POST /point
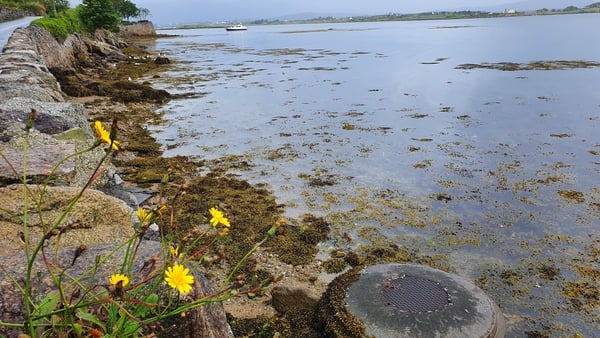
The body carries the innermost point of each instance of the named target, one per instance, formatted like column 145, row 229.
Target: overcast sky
column 165, row 12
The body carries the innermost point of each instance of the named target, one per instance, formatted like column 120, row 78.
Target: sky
column 169, row 12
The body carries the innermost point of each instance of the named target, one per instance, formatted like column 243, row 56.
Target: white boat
column 238, row 27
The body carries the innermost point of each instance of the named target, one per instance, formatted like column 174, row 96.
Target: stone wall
column 60, row 129
column 26, row 83
column 9, row 14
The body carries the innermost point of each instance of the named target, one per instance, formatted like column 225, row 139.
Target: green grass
column 60, row 27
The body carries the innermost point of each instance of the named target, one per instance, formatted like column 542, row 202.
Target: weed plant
column 130, row 302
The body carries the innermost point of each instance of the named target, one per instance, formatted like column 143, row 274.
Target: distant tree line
column 591, row 8
column 440, row 15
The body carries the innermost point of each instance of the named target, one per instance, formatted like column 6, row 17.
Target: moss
column 511, row 277
column 338, row 322
column 576, row 196
column 583, row 296
column 260, row 327
column 297, row 245
column 422, row 164
column 354, row 259
column 548, row 272
column 334, row 265
column 536, row 65
column 299, row 323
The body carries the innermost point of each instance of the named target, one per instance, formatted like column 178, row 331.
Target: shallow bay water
column 474, row 142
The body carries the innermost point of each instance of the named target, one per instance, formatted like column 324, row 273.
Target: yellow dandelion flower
column 162, row 209
column 223, row 232
column 117, row 277
column 179, row 277
column 280, row 222
column 143, row 215
column 218, row 218
column 174, row 252
column 104, row 136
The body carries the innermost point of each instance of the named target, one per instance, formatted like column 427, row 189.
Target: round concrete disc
column 406, row 300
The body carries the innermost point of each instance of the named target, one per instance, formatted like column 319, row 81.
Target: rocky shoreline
column 70, row 84
column 31, row 65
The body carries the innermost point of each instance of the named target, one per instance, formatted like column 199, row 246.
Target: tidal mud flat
column 519, row 217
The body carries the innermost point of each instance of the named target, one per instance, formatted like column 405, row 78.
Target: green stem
column 27, row 293
column 31, row 255
column 241, row 261
column 10, row 324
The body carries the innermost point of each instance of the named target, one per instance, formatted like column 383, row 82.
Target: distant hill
column 528, row 5
column 312, row 15
column 531, row 5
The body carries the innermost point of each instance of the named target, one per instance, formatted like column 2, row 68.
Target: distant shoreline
column 395, row 17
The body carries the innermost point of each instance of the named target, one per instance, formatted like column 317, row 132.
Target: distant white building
column 510, row 11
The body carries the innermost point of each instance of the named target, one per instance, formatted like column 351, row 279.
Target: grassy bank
column 62, row 25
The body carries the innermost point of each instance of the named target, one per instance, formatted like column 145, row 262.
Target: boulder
column 96, row 218
column 52, row 53
column 161, row 60
column 26, row 83
column 286, row 299
column 51, row 117
column 141, row 28
column 105, row 50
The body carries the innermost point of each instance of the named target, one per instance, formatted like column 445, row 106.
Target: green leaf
column 48, row 304
column 142, row 310
column 77, row 329
column 131, row 329
column 89, row 317
column 113, row 312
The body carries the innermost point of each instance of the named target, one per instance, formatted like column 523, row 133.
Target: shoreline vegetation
column 434, row 15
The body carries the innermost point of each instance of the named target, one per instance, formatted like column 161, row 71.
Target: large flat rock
column 41, row 161
column 99, row 218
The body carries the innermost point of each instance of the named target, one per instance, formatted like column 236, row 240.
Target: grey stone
column 26, row 84
column 41, row 162
column 286, row 298
column 161, row 60
column 99, row 218
column 23, row 72
column 51, row 117
column 142, row 28
column 9, row 13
